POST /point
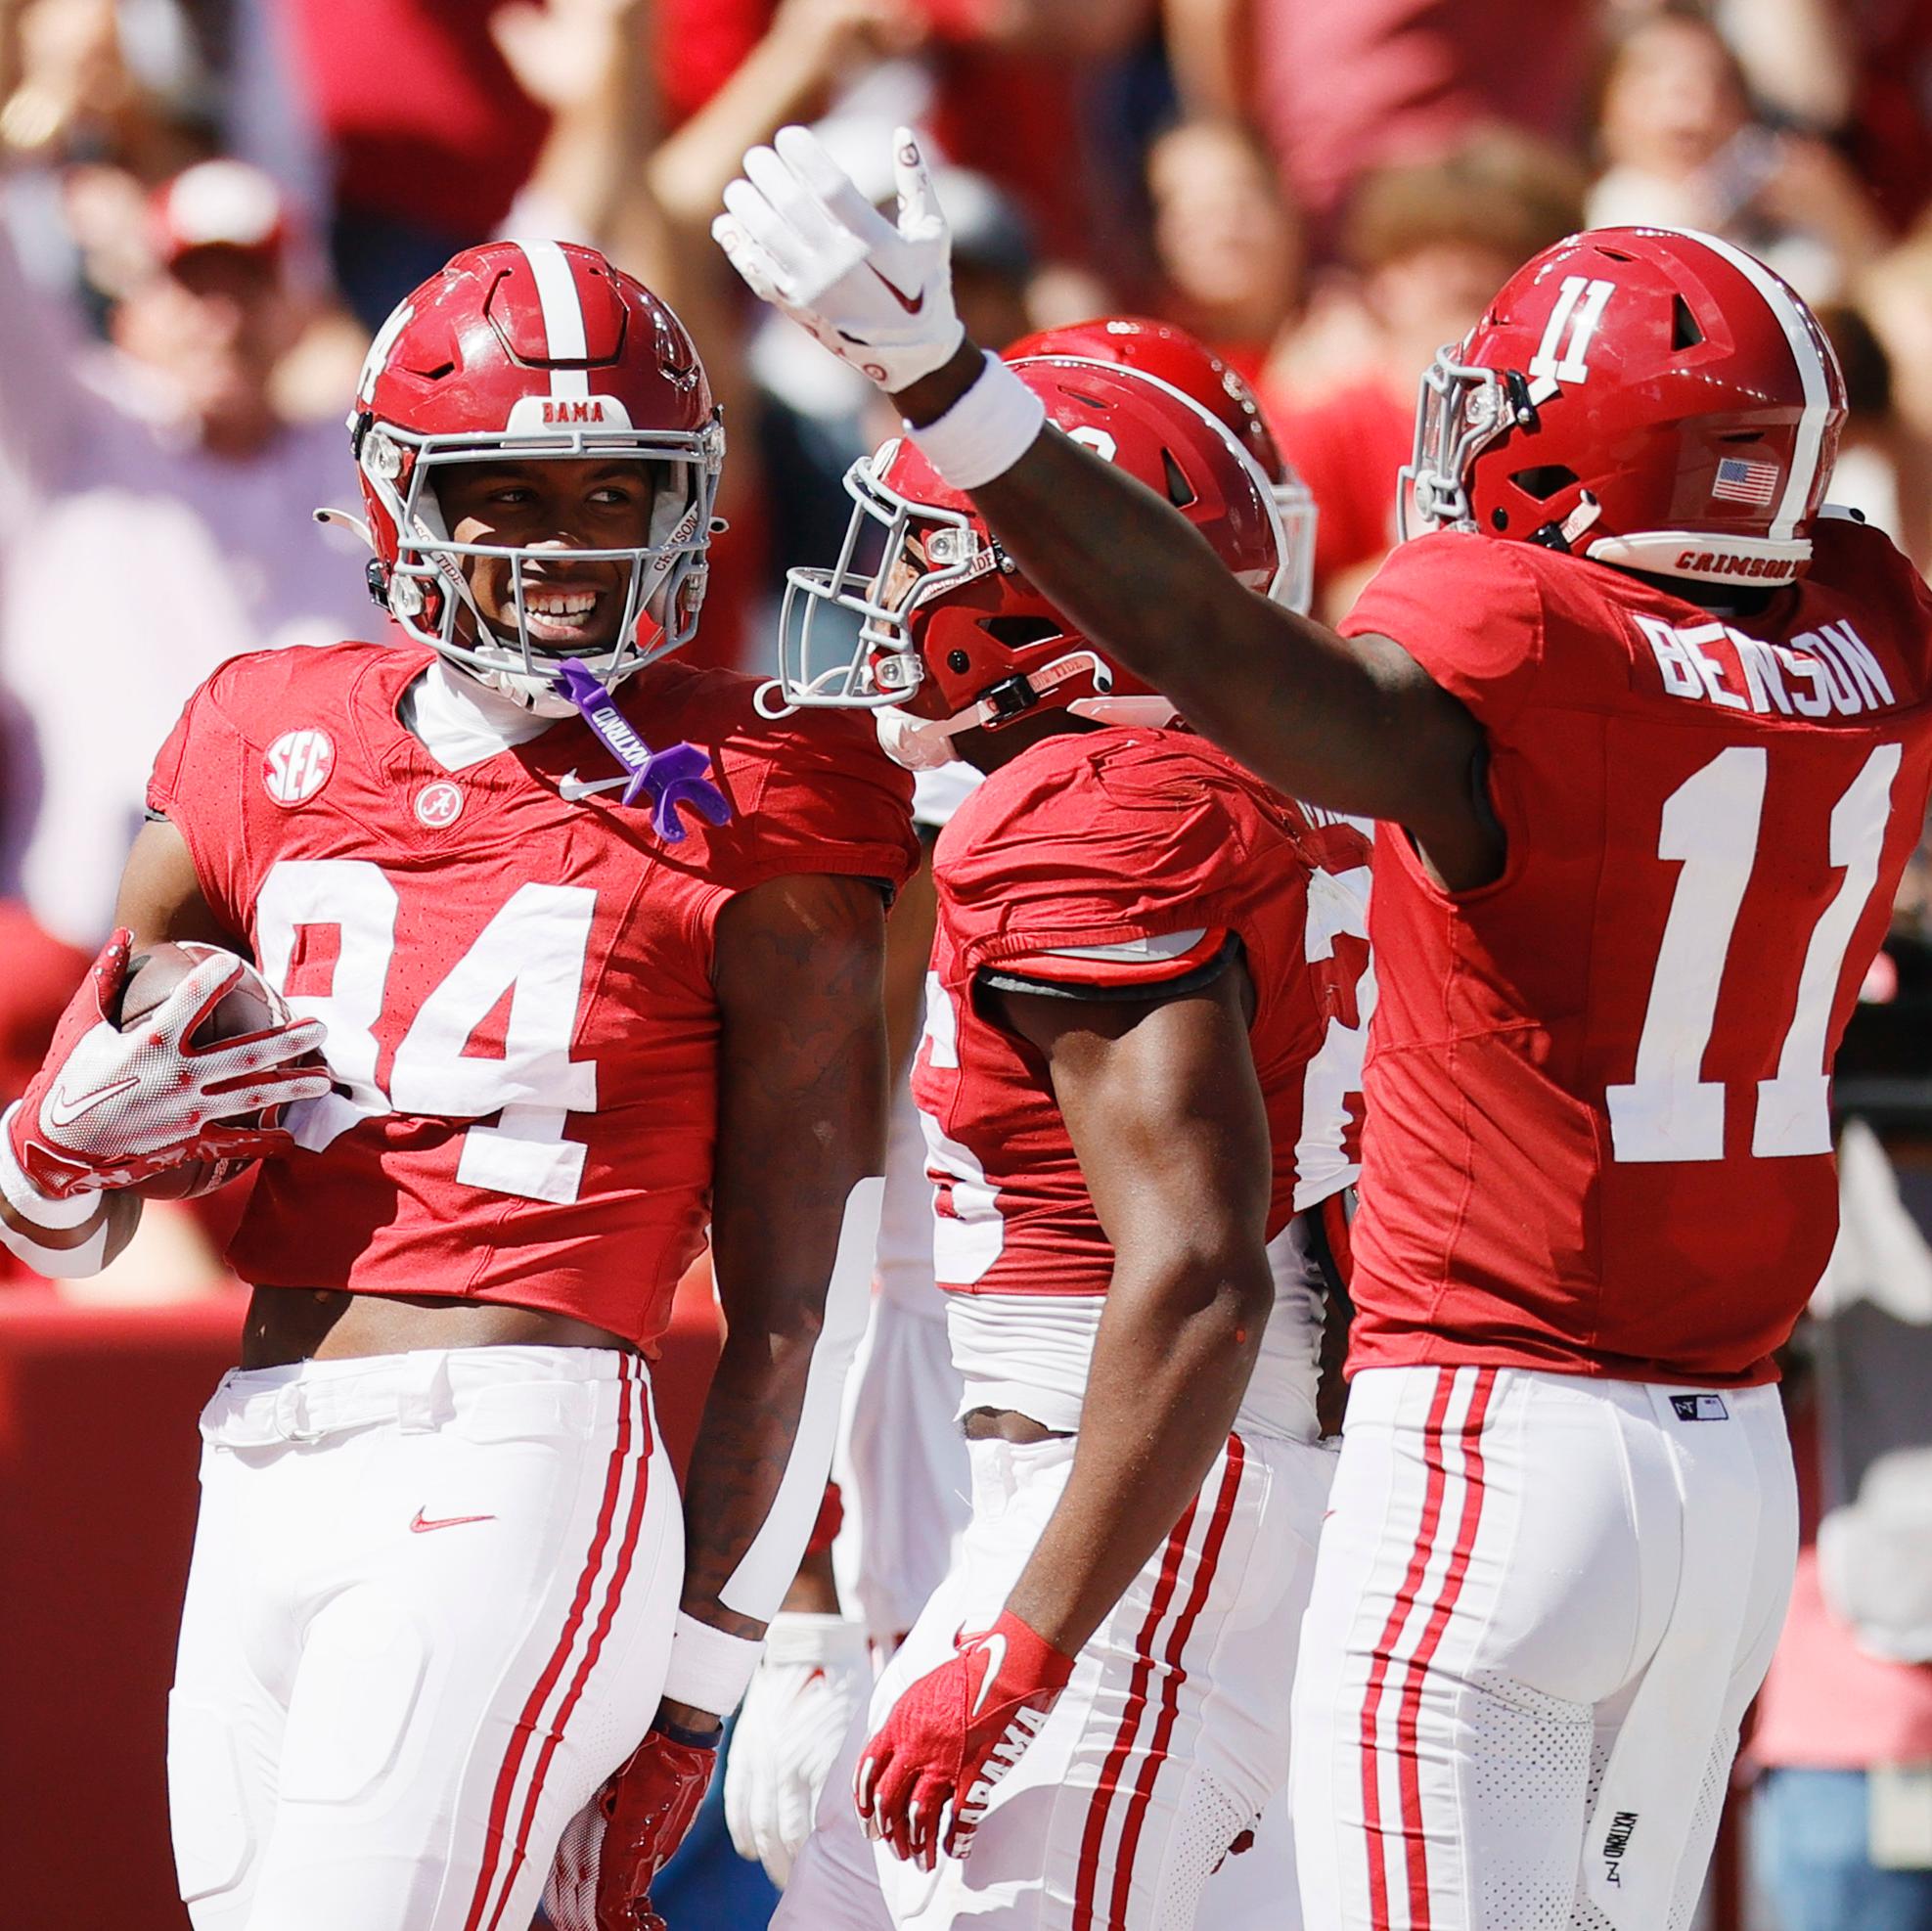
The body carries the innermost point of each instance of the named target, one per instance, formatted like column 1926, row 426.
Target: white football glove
column 108, row 1108
column 814, row 1676
column 804, row 238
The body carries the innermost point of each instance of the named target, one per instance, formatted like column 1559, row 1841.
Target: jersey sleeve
column 1088, row 876
column 196, row 785
column 810, row 795
column 1469, row 611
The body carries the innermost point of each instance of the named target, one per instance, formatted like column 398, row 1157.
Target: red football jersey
column 1129, row 858
column 1599, row 1134
column 516, row 985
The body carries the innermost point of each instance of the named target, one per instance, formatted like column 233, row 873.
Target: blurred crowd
column 207, row 206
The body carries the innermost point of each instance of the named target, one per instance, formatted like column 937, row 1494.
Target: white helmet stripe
column 563, row 315
column 1791, row 317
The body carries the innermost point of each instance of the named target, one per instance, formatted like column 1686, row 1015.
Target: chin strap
column 671, row 777
column 926, row 743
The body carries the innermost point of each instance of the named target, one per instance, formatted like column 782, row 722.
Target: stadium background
column 1326, row 189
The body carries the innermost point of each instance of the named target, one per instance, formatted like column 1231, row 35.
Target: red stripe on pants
column 526, row 1722
column 612, row 1596
column 1170, row 1699
column 1398, row 1617
column 1087, row 1874
column 1409, row 1715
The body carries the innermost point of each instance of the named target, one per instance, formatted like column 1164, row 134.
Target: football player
column 594, row 951
column 1140, row 1067
column 906, row 1478
column 1649, row 729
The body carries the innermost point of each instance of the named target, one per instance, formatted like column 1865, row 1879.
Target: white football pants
column 903, row 1467
column 1169, row 1741
column 1540, row 1607
column 429, row 1611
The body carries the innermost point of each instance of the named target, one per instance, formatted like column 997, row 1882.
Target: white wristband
column 709, row 1669
column 986, row 432
column 50, row 1216
column 27, row 1200
column 801, row 1636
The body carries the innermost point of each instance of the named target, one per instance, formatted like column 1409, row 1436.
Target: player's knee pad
column 364, row 1661
column 212, row 1826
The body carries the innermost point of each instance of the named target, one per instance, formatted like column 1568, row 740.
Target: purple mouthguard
column 674, row 777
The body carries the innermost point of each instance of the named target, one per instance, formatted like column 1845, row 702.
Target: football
column 253, row 1007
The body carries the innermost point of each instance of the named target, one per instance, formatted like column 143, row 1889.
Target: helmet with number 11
column 1647, row 397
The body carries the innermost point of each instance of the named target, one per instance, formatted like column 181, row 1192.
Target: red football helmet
column 525, row 351
column 1649, row 397
column 949, row 635
column 1186, row 363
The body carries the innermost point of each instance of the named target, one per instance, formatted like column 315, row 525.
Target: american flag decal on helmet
column 1741, row 481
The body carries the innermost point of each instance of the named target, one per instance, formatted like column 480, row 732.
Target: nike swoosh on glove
column 814, row 1674
column 878, row 294
column 614, row 1847
column 925, row 1778
column 109, row 1108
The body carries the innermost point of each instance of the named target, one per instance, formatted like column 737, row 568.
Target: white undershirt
column 461, row 722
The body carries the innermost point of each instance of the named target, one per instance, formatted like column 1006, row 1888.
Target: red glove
column 618, row 1843
column 927, row 1776
column 109, row 1107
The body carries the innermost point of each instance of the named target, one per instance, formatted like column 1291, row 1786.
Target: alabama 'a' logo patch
column 438, row 804
column 297, row 765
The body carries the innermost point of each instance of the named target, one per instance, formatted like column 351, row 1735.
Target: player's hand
column 925, row 1779
column 878, row 294
column 813, row 1675
column 108, row 1108
column 621, row 1840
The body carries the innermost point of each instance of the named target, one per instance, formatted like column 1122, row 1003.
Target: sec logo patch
column 298, row 766
column 438, row 804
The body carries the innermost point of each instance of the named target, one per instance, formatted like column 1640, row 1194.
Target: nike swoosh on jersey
column 994, row 1647
column 912, row 304
column 570, row 788
column 422, row 1524
column 63, row 1111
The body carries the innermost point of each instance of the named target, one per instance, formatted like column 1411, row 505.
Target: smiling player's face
column 573, row 603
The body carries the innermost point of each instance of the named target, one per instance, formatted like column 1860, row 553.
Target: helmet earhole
column 958, row 663
column 1499, row 519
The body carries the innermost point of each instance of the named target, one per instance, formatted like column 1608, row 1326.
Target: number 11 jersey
column 514, row 968
column 1599, row 1125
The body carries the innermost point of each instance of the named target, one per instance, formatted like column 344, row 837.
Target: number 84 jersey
column 514, row 972
column 1600, row 1135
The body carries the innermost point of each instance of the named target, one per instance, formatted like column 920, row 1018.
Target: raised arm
column 1354, row 724
column 47, row 414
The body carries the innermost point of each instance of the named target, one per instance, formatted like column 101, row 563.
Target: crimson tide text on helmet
column 1185, row 362
column 1649, row 397
column 951, row 637
column 521, row 352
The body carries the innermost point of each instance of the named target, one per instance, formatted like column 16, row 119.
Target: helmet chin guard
column 428, row 588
